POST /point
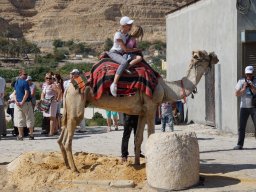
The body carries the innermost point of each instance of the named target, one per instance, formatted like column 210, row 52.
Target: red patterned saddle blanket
column 143, row 78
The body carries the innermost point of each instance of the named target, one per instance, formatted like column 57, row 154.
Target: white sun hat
column 126, row 20
column 75, row 71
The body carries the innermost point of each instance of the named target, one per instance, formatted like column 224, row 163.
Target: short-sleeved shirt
column 131, row 43
column 166, row 108
column 49, row 92
column 246, row 98
column 116, row 46
column 21, row 86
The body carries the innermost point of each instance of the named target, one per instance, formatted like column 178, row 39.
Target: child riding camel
column 119, row 48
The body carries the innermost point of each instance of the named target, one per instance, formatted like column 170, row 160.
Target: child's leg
column 170, row 122
column 163, row 123
column 135, row 60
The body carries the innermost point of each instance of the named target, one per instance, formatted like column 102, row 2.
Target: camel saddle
column 143, row 78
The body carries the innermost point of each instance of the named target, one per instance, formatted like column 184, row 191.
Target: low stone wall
column 172, row 160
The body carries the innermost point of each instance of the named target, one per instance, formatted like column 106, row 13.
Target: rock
column 172, row 160
column 122, row 184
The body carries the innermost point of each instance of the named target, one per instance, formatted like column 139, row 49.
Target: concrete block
column 172, row 160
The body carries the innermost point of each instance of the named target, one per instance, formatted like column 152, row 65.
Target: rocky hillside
column 84, row 20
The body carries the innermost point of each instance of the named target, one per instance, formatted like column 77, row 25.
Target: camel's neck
column 175, row 90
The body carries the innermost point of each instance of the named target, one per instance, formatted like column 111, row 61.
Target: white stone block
column 172, row 160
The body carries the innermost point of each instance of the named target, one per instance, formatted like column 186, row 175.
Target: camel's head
column 203, row 57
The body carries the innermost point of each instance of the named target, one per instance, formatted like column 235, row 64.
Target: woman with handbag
column 51, row 94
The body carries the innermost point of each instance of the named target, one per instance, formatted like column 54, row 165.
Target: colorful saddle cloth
column 143, row 78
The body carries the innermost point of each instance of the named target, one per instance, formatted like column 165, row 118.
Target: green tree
column 58, row 43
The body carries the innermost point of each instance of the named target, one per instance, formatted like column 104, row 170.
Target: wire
column 243, row 6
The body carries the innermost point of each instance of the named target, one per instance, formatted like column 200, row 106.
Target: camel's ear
column 193, row 52
column 202, row 53
column 212, row 54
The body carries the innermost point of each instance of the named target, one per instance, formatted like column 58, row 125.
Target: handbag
column 253, row 99
column 44, row 104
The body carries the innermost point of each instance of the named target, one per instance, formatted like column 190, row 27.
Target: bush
column 9, row 124
column 108, row 44
column 58, row 43
column 59, row 54
column 97, row 120
column 38, row 119
column 8, row 74
column 85, row 67
column 97, row 115
column 159, row 45
column 144, row 45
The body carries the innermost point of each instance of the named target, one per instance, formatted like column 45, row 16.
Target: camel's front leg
column 61, row 141
column 139, row 138
column 71, row 125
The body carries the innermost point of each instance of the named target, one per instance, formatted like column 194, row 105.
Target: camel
column 139, row 104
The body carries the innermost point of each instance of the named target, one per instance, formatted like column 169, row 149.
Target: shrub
column 38, row 119
column 59, row 54
column 85, row 67
column 108, row 44
column 97, row 120
column 58, row 43
column 144, row 45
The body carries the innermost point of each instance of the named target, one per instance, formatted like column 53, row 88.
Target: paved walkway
column 223, row 168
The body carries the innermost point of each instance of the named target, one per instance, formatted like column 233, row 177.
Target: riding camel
column 139, row 104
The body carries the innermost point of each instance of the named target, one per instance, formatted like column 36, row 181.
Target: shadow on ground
column 217, row 181
column 215, row 168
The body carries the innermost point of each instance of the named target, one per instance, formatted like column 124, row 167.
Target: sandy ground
column 38, row 166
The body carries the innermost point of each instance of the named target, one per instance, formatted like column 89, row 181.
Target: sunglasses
column 48, row 78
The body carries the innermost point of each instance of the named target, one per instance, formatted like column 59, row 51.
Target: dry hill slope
column 84, row 20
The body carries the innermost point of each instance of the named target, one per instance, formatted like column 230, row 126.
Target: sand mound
column 37, row 171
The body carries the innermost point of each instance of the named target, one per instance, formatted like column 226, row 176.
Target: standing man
column 130, row 122
column 23, row 110
column 2, row 113
column 245, row 88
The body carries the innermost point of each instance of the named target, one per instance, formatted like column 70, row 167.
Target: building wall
column 209, row 25
column 245, row 22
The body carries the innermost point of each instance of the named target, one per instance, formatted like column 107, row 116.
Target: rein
column 195, row 66
column 183, row 92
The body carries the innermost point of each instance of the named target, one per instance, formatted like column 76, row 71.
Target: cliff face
column 42, row 21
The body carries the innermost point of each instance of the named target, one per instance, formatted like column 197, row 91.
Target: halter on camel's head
column 200, row 57
column 203, row 59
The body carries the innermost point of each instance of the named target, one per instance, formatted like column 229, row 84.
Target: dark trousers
column 244, row 115
column 130, row 122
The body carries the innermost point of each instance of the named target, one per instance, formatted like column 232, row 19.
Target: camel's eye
column 196, row 56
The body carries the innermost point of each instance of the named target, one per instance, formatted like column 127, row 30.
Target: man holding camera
column 245, row 88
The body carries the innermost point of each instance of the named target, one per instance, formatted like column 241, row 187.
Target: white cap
column 29, row 78
column 126, row 21
column 75, row 71
column 248, row 70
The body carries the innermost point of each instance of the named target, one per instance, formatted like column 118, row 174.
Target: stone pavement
column 222, row 168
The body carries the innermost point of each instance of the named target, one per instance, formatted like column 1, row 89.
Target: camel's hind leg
column 139, row 138
column 71, row 125
column 61, row 141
